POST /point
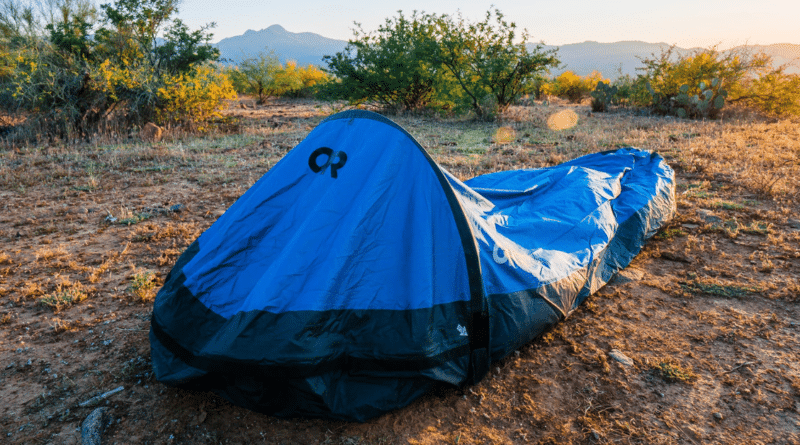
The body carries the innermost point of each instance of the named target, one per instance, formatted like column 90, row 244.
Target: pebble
column 617, row 355
column 177, row 208
column 709, row 216
column 691, row 226
column 92, row 428
column 794, row 223
column 628, row 275
column 718, row 417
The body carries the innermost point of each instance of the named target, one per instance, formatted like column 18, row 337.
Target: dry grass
column 711, row 327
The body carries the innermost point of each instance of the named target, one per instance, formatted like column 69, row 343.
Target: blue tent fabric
column 357, row 274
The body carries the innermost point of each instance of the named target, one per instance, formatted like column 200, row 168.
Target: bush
column 255, row 75
column 68, row 83
column 264, row 76
column 696, row 85
column 191, row 99
column 439, row 62
column 775, row 93
column 392, row 66
column 572, row 87
column 491, row 68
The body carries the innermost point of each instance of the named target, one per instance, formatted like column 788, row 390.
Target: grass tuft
column 673, row 372
column 62, row 297
column 698, row 286
column 143, row 286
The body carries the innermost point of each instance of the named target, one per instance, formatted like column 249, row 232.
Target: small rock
column 617, row 355
column 628, row 275
column 92, row 428
column 794, row 223
column 10, row 365
column 691, row 226
column 595, row 435
column 718, row 417
column 675, row 256
column 177, row 208
column 709, row 216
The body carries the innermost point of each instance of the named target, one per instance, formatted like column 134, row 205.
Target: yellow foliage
column 311, row 75
column 195, row 97
column 572, row 86
column 112, row 79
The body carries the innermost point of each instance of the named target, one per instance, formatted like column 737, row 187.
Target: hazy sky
column 686, row 23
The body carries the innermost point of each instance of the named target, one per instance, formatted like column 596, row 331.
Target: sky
column 695, row 23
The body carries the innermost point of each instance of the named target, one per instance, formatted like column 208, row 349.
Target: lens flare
column 562, row 120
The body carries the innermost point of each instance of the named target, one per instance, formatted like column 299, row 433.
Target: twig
column 102, row 396
column 740, row 366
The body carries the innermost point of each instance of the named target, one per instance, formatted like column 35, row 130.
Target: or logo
column 498, row 255
column 339, row 156
column 462, row 330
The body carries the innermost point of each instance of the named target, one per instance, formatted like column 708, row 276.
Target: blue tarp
column 357, row 274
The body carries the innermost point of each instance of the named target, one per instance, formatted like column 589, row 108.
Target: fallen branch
column 102, row 396
column 738, row 367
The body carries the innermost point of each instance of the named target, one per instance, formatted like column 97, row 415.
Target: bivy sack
column 357, row 274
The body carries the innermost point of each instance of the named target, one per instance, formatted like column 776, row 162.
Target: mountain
column 612, row 58
column 303, row 47
column 608, row 58
column 580, row 58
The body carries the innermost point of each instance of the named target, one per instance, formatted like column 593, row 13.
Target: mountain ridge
column 611, row 59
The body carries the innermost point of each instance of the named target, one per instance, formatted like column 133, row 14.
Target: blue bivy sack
column 357, row 274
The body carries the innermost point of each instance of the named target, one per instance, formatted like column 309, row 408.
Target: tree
column 490, row 67
column 256, row 75
column 130, row 32
column 392, row 66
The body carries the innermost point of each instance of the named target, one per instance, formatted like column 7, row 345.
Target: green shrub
column 67, row 84
column 438, row 62
column 490, row 65
column 696, row 85
column 773, row 92
column 392, row 66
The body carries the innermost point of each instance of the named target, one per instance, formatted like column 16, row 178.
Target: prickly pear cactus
column 705, row 100
column 603, row 96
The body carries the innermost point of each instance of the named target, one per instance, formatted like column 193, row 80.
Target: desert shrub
column 572, row 87
column 143, row 286
column 773, row 92
column 264, row 76
column 438, row 62
column 193, row 98
column 696, row 85
column 392, row 66
column 254, row 75
column 78, row 70
column 490, row 65
column 631, row 90
column 311, row 79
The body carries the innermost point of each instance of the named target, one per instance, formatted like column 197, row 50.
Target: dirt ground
column 708, row 314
